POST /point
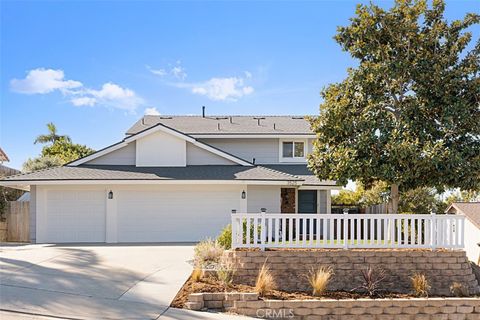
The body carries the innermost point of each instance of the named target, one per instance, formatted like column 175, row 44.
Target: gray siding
column 33, row 214
column 264, row 150
column 263, row 197
column 198, row 156
column 122, row 156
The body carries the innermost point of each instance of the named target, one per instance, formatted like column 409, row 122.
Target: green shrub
column 225, row 237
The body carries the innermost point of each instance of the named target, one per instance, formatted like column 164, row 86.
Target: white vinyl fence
column 275, row 230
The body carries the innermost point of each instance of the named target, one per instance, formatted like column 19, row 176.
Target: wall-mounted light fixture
column 244, row 194
column 263, row 210
column 234, row 211
column 110, row 194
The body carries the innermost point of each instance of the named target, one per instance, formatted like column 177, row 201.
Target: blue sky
column 94, row 68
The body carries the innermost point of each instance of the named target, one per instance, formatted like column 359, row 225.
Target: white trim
column 322, row 187
column 282, row 159
column 146, row 182
column 163, row 128
column 247, row 136
column 98, row 154
column 168, row 130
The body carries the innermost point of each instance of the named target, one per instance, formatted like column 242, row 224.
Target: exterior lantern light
column 263, row 210
column 244, row 194
column 234, row 211
column 110, row 194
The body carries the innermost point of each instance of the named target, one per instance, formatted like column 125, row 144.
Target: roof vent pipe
column 231, row 120
column 143, row 121
column 253, row 161
column 274, row 126
column 218, row 126
column 203, row 111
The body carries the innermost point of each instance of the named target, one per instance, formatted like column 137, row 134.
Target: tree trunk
column 394, row 198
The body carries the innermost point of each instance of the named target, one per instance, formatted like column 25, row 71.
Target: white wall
column 122, row 156
column 33, row 214
column 198, row 156
column 472, row 237
column 161, row 149
column 263, row 197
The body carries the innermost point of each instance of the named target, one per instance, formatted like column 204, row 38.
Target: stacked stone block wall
column 290, row 268
column 361, row 309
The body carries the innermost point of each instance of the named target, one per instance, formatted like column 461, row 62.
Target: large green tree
column 52, row 136
column 409, row 113
column 59, row 149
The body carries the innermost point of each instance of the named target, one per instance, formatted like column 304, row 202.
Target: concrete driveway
column 91, row 281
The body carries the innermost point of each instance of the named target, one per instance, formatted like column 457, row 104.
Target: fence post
column 433, row 230
column 234, row 230
column 345, row 229
column 263, row 230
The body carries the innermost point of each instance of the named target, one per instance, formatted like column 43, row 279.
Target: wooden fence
column 276, row 230
column 18, row 221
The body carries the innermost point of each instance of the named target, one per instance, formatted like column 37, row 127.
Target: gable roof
column 228, row 125
column 3, row 156
column 164, row 128
column 123, row 172
column 470, row 209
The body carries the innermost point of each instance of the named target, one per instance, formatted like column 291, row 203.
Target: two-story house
column 177, row 178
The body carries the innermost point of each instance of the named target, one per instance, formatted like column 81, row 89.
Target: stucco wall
column 161, row 149
column 267, row 197
column 33, row 214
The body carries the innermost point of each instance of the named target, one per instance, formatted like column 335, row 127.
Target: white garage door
column 174, row 213
column 75, row 216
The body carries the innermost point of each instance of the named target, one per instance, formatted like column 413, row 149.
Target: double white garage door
column 149, row 214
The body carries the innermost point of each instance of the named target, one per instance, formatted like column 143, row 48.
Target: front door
column 307, row 203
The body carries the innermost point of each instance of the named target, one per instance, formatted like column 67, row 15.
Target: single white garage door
column 174, row 213
column 75, row 216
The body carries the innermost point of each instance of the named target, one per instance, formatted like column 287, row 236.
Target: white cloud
column 248, row 74
column 41, row 81
column 157, row 72
column 176, row 71
column 220, row 89
column 152, row 112
column 83, row 101
column 113, row 95
column 179, row 72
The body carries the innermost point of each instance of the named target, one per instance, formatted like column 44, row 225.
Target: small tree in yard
column 409, row 113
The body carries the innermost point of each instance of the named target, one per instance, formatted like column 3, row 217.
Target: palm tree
column 52, row 135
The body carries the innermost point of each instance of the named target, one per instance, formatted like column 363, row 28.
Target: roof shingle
column 120, row 172
column 278, row 125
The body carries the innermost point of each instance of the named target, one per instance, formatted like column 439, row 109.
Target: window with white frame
column 293, row 150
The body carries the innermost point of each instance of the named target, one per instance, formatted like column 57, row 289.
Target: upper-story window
column 292, row 151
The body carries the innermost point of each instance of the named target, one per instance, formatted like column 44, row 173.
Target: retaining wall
column 290, row 268
column 361, row 309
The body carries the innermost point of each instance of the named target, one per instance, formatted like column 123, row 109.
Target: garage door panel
column 174, row 215
column 75, row 216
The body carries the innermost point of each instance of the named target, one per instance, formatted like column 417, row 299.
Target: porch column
column 329, row 201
